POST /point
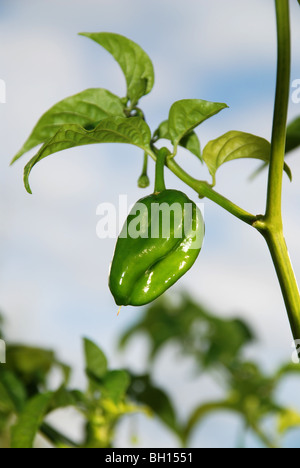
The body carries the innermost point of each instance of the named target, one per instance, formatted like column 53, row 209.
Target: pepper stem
column 159, row 170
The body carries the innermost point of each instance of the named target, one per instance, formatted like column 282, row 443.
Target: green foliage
column 236, row 145
column 187, row 114
column 98, row 116
column 144, row 391
column 96, row 362
column 30, row 419
column 198, row 332
column 134, row 62
column 111, row 130
column 190, row 141
column 293, row 135
column 215, row 344
column 289, row 419
column 217, row 347
column 25, row 396
column 84, row 109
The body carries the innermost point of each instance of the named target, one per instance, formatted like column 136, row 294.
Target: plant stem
column 286, row 277
column 55, row 436
column 205, row 190
column 271, row 224
column 273, row 210
column 145, row 165
column 159, row 170
column 263, row 437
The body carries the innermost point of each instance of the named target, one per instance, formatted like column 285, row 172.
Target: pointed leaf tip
column 185, row 115
column 236, row 145
column 133, row 60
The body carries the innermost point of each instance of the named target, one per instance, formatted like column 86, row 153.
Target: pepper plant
column 29, row 397
column 98, row 116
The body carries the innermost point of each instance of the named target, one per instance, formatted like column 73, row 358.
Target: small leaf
column 143, row 391
column 288, row 419
column 111, row 130
column 236, row 145
column 30, row 364
column 115, row 384
column 133, row 60
column 96, row 362
column 187, row 114
column 293, row 135
column 63, row 398
column 190, row 141
column 27, row 426
column 86, row 109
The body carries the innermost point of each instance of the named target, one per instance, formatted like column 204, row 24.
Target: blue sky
column 53, row 278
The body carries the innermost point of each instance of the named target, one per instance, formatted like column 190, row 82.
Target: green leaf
column 288, row 419
column 96, row 362
column 143, row 391
column 14, row 389
column 210, row 340
column 111, row 130
column 115, row 385
column 287, row 369
column 30, row 364
column 133, row 60
column 187, row 114
column 85, row 109
column 6, row 403
column 190, row 141
column 236, row 145
column 293, row 135
column 63, row 398
column 27, row 426
column 292, row 142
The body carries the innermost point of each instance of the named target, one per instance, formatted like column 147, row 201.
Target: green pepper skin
column 143, row 268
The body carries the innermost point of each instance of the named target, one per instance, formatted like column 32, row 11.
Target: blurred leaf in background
column 217, row 347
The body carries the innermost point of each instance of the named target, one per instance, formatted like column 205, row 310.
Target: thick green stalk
column 271, row 224
column 286, row 277
column 273, row 210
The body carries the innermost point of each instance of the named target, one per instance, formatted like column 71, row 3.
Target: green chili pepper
column 160, row 241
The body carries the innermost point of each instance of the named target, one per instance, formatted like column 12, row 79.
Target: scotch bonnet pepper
column 160, row 241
